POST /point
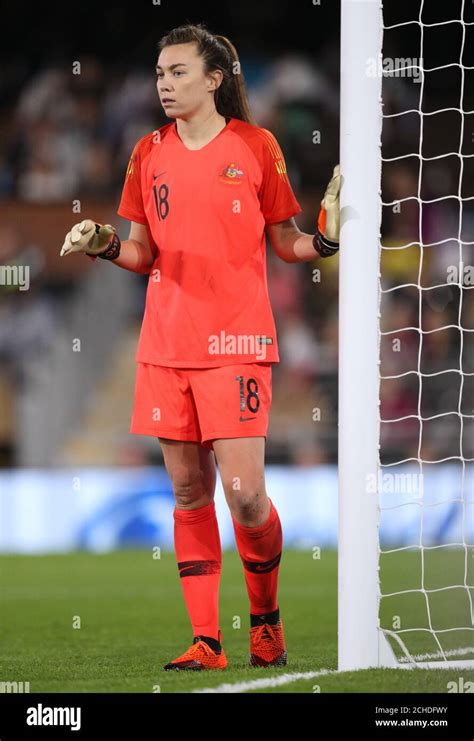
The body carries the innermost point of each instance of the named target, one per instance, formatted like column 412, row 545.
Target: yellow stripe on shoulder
column 142, row 146
column 131, row 166
column 276, row 153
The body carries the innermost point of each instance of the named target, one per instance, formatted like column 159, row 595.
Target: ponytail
column 232, row 93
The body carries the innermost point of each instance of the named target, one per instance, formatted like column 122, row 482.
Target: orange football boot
column 199, row 656
column 267, row 645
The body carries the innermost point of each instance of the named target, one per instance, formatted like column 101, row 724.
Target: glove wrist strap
column 324, row 246
column 113, row 250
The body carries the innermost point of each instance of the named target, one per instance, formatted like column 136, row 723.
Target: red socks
column 199, row 556
column 260, row 550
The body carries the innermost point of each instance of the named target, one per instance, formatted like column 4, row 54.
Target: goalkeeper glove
column 326, row 239
column 96, row 240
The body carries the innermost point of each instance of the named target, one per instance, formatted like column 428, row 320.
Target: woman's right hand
column 89, row 237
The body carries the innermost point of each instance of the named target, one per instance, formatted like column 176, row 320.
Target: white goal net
column 427, row 330
column 408, row 211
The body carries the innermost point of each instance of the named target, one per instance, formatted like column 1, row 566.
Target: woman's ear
column 216, row 79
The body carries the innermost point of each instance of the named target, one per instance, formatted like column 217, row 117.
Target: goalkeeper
column 201, row 193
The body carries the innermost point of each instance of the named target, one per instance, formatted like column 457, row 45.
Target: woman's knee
column 246, row 504
column 192, row 471
column 190, row 490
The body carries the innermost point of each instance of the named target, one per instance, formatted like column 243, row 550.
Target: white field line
column 438, row 655
column 260, row 684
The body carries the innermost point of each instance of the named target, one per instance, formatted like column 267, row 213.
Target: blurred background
column 67, row 344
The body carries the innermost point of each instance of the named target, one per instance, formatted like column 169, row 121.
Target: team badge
column 232, row 175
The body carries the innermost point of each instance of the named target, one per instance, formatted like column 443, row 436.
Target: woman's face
column 181, row 83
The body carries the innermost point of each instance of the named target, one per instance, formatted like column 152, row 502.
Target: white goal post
column 361, row 641
column 360, row 644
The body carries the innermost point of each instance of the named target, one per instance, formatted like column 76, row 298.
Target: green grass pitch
column 133, row 621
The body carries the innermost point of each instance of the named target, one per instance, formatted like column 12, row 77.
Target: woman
column 199, row 193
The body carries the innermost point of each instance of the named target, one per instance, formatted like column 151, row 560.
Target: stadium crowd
column 68, row 136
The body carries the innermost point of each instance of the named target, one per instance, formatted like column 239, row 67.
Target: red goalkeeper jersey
column 207, row 301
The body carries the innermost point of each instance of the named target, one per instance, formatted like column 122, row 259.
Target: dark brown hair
column 218, row 53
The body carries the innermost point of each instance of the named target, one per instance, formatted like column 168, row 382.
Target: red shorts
column 202, row 404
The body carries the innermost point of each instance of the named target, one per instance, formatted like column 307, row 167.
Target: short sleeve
column 131, row 202
column 278, row 202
